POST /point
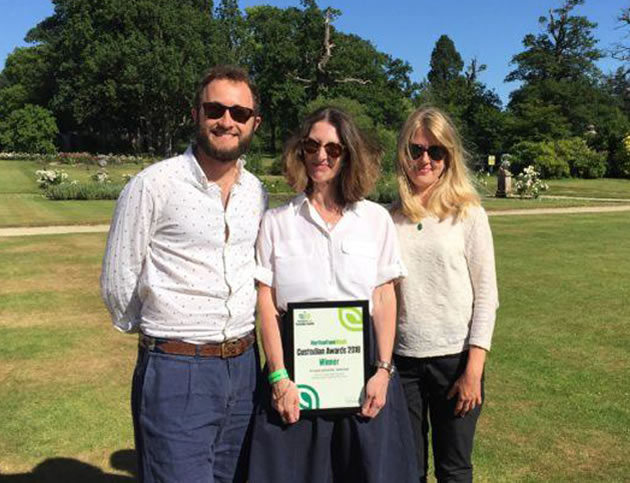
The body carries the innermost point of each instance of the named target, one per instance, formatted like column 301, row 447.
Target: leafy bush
column 620, row 162
column 276, row 184
column 387, row 140
column 254, row 163
column 385, row 191
column 101, row 176
column 84, row 191
column 542, row 155
column 31, row 129
column 559, row 159
column 277, row 167
column 583, row 161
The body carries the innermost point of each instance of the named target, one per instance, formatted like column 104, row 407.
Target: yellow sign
column 491, row 160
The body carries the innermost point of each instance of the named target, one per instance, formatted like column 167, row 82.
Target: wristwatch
column 388, row 366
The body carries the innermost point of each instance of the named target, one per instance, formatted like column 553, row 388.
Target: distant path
column 558, row 197
column 63, row 229
column 52, row 230
column 551, row 211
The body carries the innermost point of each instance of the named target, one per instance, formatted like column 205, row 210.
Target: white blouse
column 304, row 261
column 449, row 298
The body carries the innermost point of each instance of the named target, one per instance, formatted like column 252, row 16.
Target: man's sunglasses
column 436, row 153
column 311, row 146
column 216, row 110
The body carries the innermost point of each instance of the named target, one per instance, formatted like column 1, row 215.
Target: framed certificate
column 327, row 354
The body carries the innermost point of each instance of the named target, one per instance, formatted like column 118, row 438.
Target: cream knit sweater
column 449, row 299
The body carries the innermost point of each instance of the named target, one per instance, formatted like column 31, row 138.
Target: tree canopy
column 119, row 76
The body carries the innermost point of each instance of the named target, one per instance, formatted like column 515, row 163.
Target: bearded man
column 179, row 270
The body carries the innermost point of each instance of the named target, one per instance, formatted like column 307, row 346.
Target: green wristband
column 278, row 375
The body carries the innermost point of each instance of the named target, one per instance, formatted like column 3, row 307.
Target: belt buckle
column 229, row 348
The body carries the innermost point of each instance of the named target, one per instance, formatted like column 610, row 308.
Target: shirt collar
column 198, row 173
column 300, row 200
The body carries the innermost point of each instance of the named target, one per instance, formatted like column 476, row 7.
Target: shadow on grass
column 56, row 470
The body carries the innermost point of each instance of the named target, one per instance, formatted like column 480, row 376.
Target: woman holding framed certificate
column 333, row 252
column 448, row 301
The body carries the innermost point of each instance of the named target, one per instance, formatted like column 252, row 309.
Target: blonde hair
column 360, row 158
column 453, row 193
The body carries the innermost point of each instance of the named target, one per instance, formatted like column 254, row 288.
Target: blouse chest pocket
column 293, row 261
column 360, row 260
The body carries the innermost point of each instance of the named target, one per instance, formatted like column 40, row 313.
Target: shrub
column 84, row 191
column 385, row 191
column 583, row 161
column 542, row 155
column 620, row 162
column 254, row 163
column 101, row 176
column 31, row 129
column 277, row 167
column 387, row 140
column 276, row 184
column 50, row 177
column 528, row 183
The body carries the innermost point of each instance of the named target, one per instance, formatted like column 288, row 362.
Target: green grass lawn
column 590, row 188
column 35, row 210
column 556, row 383
column 583, row 188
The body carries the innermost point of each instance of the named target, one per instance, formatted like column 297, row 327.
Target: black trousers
column 426, row 383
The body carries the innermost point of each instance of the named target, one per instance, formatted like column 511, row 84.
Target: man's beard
column 223, row 155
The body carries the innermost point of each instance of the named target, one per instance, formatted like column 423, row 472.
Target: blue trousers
column 192, row 416
column 426, row 382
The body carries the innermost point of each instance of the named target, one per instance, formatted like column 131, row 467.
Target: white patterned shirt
column 168, row 269
column 304, row 261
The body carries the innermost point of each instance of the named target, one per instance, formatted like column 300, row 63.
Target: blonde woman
column 448, row 301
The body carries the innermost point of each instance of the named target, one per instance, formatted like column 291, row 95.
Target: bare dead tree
column 327, row 54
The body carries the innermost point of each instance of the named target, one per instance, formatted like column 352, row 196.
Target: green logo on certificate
column 351, row 318
column 309, row 399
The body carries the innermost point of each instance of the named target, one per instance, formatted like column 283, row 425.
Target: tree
column 298, row 56
column 621, row 50
column 564, row 51
column 561, row 94
column 446, row 63
column 27, row 70
column 458, row 90
column 125, row 71
column 31, row 129
column 230, row 33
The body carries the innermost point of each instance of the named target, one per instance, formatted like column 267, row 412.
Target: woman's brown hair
column 360, row 159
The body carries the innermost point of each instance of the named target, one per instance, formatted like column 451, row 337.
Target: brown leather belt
column 228, row 348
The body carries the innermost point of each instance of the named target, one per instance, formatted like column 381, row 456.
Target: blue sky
column 490, row 30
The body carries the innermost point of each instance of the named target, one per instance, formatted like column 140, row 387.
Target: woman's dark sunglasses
column 436, row 153
column 215, row 110
column 311, row 146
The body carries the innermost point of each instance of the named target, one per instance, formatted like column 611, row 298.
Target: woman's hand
column 468, row 386
column 468, row 391
column 285, row 399
column 375, row 394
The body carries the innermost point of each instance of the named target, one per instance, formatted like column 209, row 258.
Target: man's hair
column 360, row 160
column 226, row 72
column 454, row 192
